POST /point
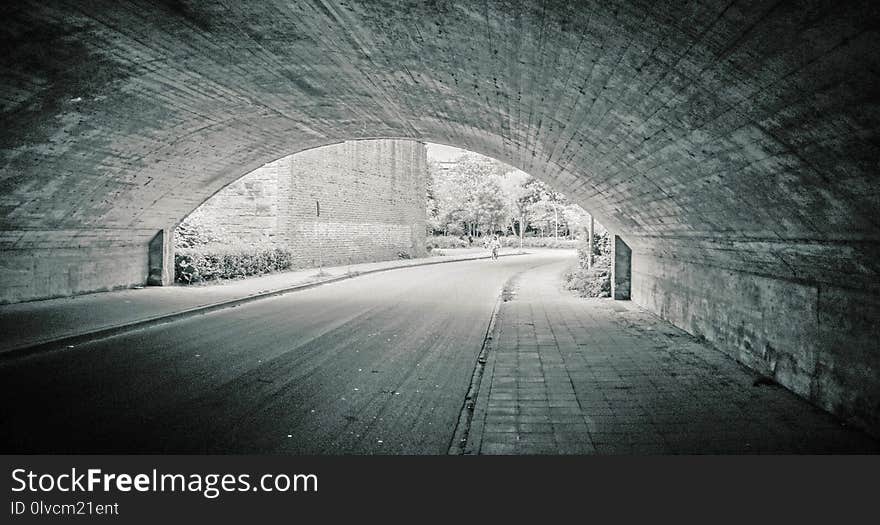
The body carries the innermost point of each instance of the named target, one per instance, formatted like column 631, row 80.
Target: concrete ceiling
column 739, row 133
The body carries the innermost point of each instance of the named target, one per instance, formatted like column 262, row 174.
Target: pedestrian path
column 24, row 325
column 566, row 375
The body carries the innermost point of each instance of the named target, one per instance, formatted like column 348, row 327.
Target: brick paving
column 566, row 375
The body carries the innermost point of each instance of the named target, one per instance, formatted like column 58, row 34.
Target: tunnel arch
column 733, row 144
column 274, row 158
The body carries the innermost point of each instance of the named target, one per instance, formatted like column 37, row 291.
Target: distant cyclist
column 495, row 246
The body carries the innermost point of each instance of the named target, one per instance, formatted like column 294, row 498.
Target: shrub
column 212, row 262
column 193, row 232
column 590, row 282
column 538, row 242
column 442, row 241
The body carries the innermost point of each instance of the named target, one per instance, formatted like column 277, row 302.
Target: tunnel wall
column 370, row 195
column 816, row 339
column 44, row 264
column 745, row 130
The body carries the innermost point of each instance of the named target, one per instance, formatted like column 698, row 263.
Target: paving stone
column 625, row 389
column 498, row 449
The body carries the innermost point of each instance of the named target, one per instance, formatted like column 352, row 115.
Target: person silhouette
column 495, row 246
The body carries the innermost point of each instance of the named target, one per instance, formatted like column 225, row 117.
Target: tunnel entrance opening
column 375, row 200
column 478, row 201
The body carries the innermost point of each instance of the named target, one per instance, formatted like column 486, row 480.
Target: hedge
column 206, row 263
column 444, row 242
column 538, row 242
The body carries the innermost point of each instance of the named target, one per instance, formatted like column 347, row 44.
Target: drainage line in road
column 462, row 428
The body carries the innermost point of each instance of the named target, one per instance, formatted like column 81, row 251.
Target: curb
column 461, row 435
column 70, row 341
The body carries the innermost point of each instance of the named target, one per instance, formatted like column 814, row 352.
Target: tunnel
column 730, row 145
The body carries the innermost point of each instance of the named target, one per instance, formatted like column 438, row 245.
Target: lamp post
column 320, row 242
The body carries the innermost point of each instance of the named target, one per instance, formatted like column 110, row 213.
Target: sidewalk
column 566, row 375
column 26, row 325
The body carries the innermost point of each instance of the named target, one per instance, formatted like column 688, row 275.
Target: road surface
column 378, row 364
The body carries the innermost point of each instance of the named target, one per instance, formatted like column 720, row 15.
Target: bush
column 538, row 242
column 442, row 241
column 192, row 232
column 590, row 282
column 211, row 262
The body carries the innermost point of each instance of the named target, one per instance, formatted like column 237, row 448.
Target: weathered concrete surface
column 728, row 138
column 359, row 201
column 41, row 264
column 820, row 341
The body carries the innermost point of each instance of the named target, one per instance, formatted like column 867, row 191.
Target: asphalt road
column 379, row 364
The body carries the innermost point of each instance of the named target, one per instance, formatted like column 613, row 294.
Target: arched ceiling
column 738, row 132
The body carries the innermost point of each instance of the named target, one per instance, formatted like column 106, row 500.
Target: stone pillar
column 621, row 269
column 160, row 255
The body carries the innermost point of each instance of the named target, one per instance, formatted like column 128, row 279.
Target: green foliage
column 432, row 205
column 595, row 281
column 193, row 231
column 465, row 196
column 477, row 195
column 214, row 262
column 538, row 242
column 445, row 242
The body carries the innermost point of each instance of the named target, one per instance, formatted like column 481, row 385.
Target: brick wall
column 370, row 195
column 247, row 211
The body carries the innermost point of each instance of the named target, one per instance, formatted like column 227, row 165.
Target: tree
column 475, row 177
column 467, row 192
column 575, row 219
column 432, row 207
column 514, row 194
column 476, row 195
column 544, row 205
